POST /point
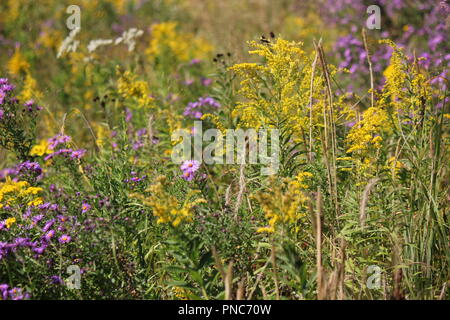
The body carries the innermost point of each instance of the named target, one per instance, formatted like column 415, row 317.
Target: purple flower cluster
column 24, row 169
column 38, row 227
column 427, row 36
column 31, row 106
column 5, row 89
column 140, row 140
column 28, row 167
column 61, row 139
column 189, row 167
column 197, row 108
column 7, row 293
column 72, row 154
column 7, row 172
column 57, row 140
column 134, row 180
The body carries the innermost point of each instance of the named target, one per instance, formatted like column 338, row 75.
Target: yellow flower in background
column 30, row 89
column 131, row 88
column 17, row 63
column 12, row 12
column 167, row 41
column 41, row 149
column 50, row 39
column 102, row 134
column 120, row 5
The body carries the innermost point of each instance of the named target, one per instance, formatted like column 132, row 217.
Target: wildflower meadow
column 224, row 150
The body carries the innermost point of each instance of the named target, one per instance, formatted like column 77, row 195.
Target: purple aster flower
column 29, row 167
column 58, row 139
column 190, row 166
column 188, row 176
column 195, row 109
column 22, row 242
column 48, row 225
column 7, row 87
column 128, row 115
column 195, row 61
column 64, row 238
column 56, row 280
column 49, row 235
column 40, row 250
column 206, row 82
column 137, row 144
column 16, row 294
column 85, row 207
column 59, row 152
column 37, row 218
column 141, row 132
column 4, row 291
column 78, row 154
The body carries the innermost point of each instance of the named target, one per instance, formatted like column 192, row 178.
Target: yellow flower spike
column 284, row 203
column 30, row 89
column 165, row 206
column 278, row 88
column 17, row 63
column 131, row 88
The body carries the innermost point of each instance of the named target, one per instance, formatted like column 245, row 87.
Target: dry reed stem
column 311, row 102
column 372, row 93
column 364, row 200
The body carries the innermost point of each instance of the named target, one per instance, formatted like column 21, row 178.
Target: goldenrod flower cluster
column 18, row 63
column 165, row 206
column 403, row 97
column 365, row 135
column 406, row 88
column 9, row 222
column 285, row 203
column 137, row 90
column 12, row 192
column 278, row 89
column 30, row 89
